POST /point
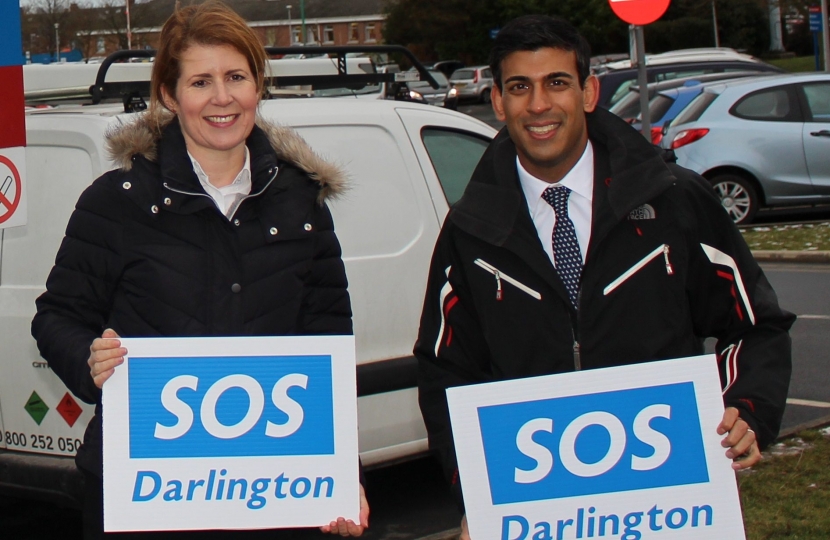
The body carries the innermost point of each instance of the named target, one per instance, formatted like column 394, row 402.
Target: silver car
column 473, row 83
column 761, row 142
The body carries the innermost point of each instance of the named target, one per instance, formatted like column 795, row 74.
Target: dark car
column 447, row 67
column 615, row 83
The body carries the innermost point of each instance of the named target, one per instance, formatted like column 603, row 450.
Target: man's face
column 544, row 109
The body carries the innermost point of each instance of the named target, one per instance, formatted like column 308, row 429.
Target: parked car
column 444, row 96
column 761, row 142
column 628, row 108
column 408, row 162
column 618, row 77
column 473, row 83
column 667, row 99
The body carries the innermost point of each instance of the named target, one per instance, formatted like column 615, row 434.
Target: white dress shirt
column 580, row 180
column 226, row 197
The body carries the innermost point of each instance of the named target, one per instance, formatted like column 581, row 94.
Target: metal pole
column 302, row 16
column 642, row 81
column 715, row 23
column 129, row 30
column 290, row 35
column 57, row 44
column 824, row 35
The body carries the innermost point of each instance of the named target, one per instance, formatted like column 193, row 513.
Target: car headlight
column 415, row 95
column 452, row 93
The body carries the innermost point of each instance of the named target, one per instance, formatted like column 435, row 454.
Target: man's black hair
column 534, row 32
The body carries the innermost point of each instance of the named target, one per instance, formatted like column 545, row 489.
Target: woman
column 215, row 224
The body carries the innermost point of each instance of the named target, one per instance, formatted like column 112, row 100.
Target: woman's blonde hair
column 212, row 23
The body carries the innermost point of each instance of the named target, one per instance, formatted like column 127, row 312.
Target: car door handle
column 822, row 133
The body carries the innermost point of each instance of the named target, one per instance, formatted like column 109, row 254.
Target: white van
column 407, row 163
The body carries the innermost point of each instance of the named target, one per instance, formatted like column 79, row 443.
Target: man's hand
column 345, row 527
column 465, row 533
column 105, row 354
column 740, row 440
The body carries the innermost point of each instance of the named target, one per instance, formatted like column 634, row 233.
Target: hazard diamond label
column 69, row 409
column 36, row 408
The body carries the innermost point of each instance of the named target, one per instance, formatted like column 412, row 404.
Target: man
column 575, row 246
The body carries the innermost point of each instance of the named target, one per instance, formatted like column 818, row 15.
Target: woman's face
column 216, row 99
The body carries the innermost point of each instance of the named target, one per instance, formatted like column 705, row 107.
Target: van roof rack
column 128, row 91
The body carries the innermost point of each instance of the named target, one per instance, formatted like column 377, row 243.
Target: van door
column 39, row 413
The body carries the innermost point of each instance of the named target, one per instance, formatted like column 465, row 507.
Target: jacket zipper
column 248, row 196
column 663, row 249
column 501, row 276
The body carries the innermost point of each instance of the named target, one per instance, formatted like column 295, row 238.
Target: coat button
column 307, row 226
column 126, row 185
column 236, row 287
column 236, row 222
column 167, row 201
column 154, row 209
column 273, row 231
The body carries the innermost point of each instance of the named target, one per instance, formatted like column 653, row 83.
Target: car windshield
column 463, row 74
column 439, row 77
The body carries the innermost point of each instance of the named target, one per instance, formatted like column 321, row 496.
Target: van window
column 454, row 154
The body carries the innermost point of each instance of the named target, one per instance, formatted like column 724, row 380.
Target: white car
column 407, row 163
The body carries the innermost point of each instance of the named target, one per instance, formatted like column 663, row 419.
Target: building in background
column 98, row 31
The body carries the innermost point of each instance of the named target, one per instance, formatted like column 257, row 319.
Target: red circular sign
column 9, row 204
column 639, row 12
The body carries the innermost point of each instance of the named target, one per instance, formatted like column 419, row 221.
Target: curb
column 811, row 424
column 792, row 256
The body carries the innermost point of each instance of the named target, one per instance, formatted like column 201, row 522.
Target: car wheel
column 485, row 95
column 738, row 197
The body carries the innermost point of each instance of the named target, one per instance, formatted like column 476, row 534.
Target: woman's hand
column 345, row 527
column 105, row 354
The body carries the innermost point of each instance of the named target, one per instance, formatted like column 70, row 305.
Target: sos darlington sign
column 231, row 433
column 627, row 453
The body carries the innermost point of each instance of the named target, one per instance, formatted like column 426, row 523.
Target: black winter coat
column 148, row 254
column 665, row 268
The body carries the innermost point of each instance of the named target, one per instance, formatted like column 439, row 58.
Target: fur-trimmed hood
column 141, row 137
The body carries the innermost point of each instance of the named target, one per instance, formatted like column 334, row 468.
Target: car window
column 667, row 75
column 454, row 155
column 695, row 109
column 818, row 100
column 767, row 105
column 628, row 107
column 658, row 107
column 621, row 91
column 463, row 74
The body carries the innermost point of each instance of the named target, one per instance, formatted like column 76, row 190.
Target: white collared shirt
column 226, row 197
column 580, row 180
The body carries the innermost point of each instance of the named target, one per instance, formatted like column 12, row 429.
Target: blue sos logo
column 598, row 443
column 230, row 406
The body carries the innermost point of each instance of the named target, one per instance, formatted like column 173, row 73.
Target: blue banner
column 591, row 444
column 230, row 406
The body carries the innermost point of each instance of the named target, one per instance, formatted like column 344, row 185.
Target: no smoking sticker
column 12, row 208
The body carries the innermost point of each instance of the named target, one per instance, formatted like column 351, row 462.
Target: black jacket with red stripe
column 665, row 268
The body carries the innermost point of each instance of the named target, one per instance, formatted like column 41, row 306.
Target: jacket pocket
column 660, row 250
column 501, row 276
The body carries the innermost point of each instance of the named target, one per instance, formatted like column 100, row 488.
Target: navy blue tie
column 566, row 254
